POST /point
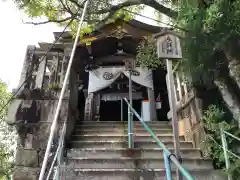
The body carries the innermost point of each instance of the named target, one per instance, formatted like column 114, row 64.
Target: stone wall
column 30, row 154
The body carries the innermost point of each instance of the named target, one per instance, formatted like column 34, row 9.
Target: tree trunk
column 230, row 99
column 234, row 71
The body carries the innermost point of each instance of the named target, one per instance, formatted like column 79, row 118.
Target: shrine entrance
column 111, row 110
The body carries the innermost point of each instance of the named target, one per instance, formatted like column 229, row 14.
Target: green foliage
column 7, row 138
column 54, row 87
column 211, row 28
column 63, row 11
column 213, row 118
column 147, row 54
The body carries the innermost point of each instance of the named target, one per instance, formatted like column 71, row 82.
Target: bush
column 213, row 118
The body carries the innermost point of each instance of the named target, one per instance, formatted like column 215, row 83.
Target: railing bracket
column 169, row 156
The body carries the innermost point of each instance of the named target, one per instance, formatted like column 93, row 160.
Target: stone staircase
column 99, row 152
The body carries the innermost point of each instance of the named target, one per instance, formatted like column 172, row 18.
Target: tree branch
column 66, row 7
column 162, row 9
column 107, row 18
column 120, row 6
column 50, row 21
column 151, row 3
column 77, row 4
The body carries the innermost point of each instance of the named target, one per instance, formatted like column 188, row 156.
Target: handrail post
column 167, row 166
column 56, row 174
column 130, row 114
column 173, row 110
column 121, row 109
column 225, row 149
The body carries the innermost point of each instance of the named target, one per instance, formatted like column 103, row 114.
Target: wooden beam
column 43, row 52
column 185, row 102
column 41, row 73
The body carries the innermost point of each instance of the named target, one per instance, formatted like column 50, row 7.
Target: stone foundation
column 30, row 155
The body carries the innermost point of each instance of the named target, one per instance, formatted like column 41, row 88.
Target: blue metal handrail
column 167, row 154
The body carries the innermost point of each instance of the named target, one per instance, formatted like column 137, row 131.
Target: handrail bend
column 167, row 153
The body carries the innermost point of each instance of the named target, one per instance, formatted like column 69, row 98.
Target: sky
column 15, row 36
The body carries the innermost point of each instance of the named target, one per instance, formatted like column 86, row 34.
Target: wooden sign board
column 129, row 64
column 168, row 46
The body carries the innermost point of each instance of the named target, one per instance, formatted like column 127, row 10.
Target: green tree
column 62, row 11
column 7, row 137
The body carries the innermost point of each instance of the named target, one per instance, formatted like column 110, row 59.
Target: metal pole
column 53, row 163
column 167, row 166
column 173, row 110
column 225, row 148
column 58, row 152
column 130, row 115
column 121, row 109
column 53, row 127
column 56, row 174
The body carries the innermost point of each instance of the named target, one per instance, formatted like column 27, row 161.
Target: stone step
column 117, row 137
column 161, row 126
column 119, row 130
column 121, row 122
column 124, row 144
column 130, row 163
column 123, row 152
column 122, row 128
column 136, row 174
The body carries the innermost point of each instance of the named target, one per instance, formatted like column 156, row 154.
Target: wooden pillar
column 26, row 63
column 173, row 114
column 66, row 58
column 62, row 73
column 175, row 89
column 179, row 89
column 97, row 104
column 56, row 69
column 184, row 87
column 41, row 73
column 152, row 104
column 89, row 107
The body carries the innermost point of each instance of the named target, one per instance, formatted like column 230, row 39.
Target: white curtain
column 104, row 77
column 142, row 76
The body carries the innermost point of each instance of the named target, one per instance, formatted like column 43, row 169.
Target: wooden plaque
column 168, row 46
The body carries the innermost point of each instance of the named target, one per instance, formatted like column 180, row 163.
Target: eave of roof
column 98, row 29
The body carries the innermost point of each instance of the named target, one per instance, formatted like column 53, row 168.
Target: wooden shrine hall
column 104, row 78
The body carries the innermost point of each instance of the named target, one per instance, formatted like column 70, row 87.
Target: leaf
column 7, row 137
